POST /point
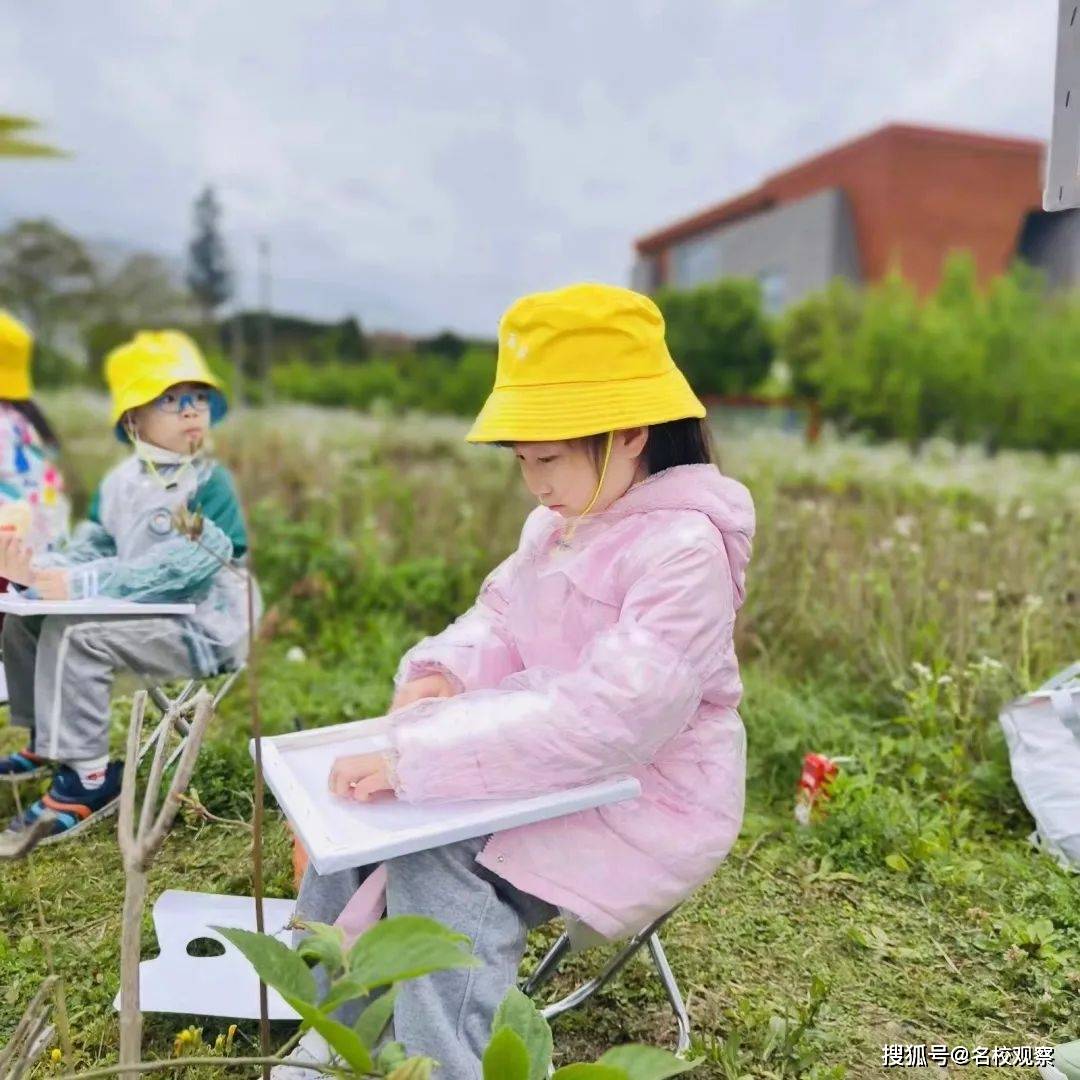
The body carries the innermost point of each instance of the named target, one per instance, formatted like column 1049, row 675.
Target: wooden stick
column 157, row 767
column 126, row 823
column 130, row 952
column 20, row 1036
column 257, row 817
column 139, row 842
column 328, row 1067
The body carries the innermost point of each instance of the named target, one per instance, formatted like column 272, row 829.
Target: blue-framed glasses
column 173, row 402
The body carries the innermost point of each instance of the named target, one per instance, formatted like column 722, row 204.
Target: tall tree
column 209, row 275
column 719, row 335
column 13, row 141
column 46, row 275
column 140, row 292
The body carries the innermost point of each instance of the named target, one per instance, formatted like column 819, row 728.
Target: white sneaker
column 312, row 1047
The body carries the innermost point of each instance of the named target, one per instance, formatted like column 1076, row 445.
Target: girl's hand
column 52, row 584
column 15, row 559
column 430, row 686
column 360, row 776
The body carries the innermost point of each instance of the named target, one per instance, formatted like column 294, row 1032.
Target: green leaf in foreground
column 276, row 964
column 376, row 1016
column 419, row 1068
column 324, row 944
column 590, row 1072
column 390, row 1057
column 344, row 1041
column 519, row 1013
column 646, row 1062
column 405, row 947
column 506, row 1057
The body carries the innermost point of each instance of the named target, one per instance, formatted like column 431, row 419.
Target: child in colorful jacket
column 32, row 499
column 602, row 647
column 165, row 526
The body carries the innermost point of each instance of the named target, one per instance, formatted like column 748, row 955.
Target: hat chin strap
column 568, row 532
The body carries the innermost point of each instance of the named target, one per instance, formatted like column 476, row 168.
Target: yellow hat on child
column 153, row 360
column 580, row 361
column 16, row 348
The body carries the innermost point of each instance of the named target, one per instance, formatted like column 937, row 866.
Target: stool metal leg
column 558, row 952
column 674, row 994
column 547, row 966
column 171, row 707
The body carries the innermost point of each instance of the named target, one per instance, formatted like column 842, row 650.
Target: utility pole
column 265, row 329
column 237, row 350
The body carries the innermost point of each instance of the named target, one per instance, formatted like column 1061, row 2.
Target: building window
column 696, row 261
column 773, row 284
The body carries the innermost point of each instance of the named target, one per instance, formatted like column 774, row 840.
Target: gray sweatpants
column 60, row 671
column 446, row 1015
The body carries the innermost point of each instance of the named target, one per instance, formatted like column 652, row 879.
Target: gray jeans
column 60, row 671
column 446, row 1015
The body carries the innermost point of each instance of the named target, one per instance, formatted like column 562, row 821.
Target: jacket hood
column 691, row 487
column 704, row 488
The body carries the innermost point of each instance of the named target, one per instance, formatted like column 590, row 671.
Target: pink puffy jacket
column 611, row 657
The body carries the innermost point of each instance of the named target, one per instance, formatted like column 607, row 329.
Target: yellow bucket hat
column 146, row 366
column 16, row 347
column 579, row 361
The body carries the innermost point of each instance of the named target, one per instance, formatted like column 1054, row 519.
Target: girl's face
column 177, row 420
column 563, row 475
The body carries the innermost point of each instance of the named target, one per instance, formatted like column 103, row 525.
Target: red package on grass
column 818, row 772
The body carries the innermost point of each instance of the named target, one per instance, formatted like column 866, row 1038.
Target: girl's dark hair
column 36, row 418
column 678, row 442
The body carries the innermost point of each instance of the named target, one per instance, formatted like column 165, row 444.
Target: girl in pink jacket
column 601, row 647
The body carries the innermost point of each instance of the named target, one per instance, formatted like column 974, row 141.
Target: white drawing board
column 14, row 604
column 339, row 834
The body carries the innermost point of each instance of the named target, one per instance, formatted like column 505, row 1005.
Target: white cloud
column 420, row 163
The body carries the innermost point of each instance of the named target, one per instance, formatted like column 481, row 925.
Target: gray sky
column 422, row 162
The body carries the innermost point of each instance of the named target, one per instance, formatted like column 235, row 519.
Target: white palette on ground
column 339, row 834
column 14, row 604
column 225, row 985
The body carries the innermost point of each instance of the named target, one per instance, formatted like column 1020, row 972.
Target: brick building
column 902, row 196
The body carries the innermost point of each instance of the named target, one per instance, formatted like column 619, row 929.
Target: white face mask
column 151, row 456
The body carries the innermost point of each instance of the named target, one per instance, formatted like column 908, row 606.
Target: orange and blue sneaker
column 23, row 765
column 71, row 806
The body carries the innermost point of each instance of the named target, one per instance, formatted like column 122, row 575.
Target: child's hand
column 360, row 776
column 15, row 559
column 52, row 584
column 430, row 686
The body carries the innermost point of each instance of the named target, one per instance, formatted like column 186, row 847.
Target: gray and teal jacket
column 168, row 528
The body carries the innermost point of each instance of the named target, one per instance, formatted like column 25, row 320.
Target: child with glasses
column 164, row 526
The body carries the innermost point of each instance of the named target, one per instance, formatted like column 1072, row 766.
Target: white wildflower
column 978, row 528
column 296, row 655
column 1025, row 512
column 904, row 525
column 984, row 596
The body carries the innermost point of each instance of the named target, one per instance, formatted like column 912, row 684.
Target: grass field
column 894, row 603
